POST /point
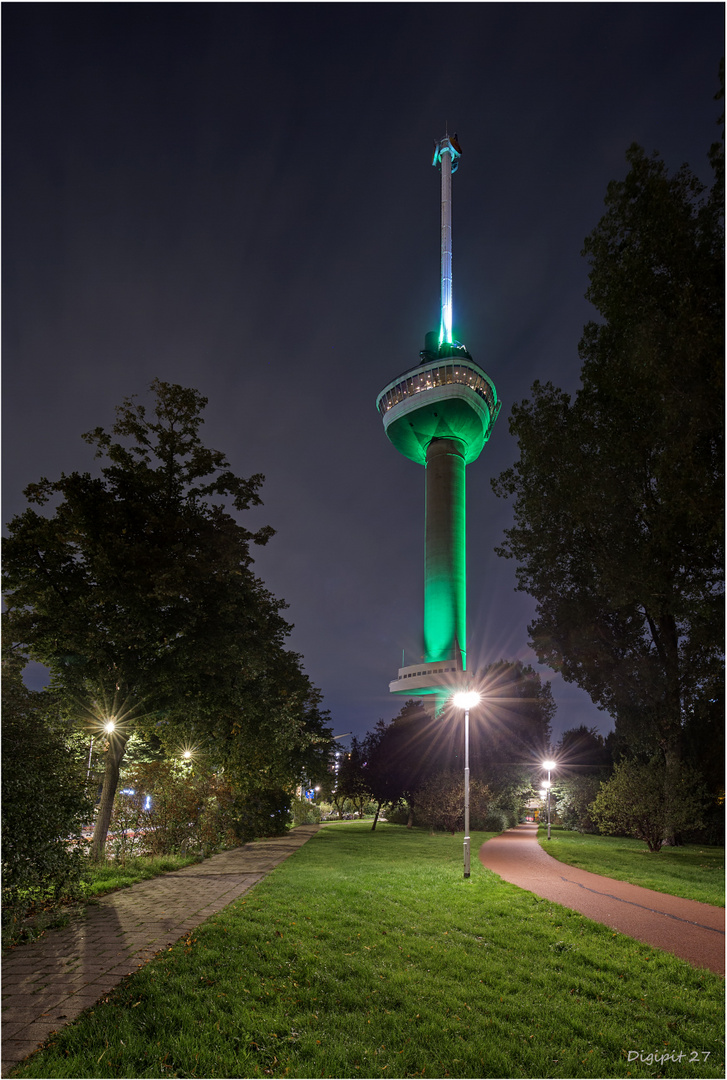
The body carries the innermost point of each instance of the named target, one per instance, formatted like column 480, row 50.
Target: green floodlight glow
column 445, row 327
column 445, row 574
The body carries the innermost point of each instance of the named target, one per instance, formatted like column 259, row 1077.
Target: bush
column 497, row 819
column 43, row 807
column 440, row 803
column 650, row 802
column 305, row 812
column 190, row 811
column 398, row 814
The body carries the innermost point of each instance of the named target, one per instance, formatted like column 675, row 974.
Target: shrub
column 497, row 819
column 43, row 807
column 305, row 812
column 440, row 803
column 650, row 802
column 398, row 814
column 189, row 811
column 129, row 826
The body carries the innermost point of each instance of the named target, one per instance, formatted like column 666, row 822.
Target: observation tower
column 440, row 414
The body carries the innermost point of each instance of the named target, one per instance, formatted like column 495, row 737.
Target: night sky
column 240, row 198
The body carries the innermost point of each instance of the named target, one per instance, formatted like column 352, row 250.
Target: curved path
column 687, row 928
column 50, row 982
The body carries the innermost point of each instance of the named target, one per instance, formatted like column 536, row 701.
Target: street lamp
column 466, row 700
column 549, row 765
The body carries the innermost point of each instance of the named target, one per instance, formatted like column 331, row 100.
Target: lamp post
column 466, row 700
column 549, row 765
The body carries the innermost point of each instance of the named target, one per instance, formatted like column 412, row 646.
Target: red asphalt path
column 686, row 928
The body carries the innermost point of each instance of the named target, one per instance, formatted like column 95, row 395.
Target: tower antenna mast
column 446, row 155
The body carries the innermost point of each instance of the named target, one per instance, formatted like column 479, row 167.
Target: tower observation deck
column 440, row 414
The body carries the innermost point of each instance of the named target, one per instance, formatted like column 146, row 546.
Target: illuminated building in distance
column 440, row 414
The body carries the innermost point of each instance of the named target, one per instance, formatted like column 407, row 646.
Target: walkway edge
column 48, row 983
column 649, row 916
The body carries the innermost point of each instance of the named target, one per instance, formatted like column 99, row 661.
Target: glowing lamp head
column 187, row 755
column 110, row 725
column 549, row 765
column 466, row 699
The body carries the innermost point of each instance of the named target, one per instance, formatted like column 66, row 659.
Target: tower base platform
column 436, row 677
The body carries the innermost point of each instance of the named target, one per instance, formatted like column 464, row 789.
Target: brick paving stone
column 16, row 1050
column 12, row 1028
column 51, row 981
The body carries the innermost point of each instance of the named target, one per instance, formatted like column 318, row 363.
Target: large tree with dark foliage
column 512, row 724
column 135, row 588
column 618, row 493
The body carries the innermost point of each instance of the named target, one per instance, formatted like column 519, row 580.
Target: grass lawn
column 694, row 871
column 367, row 955
column 106, row 876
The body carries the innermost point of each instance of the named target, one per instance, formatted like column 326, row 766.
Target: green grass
column 106, row 876
column 367, row 955
column 694, row 871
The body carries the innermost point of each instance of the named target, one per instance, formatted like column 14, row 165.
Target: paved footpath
column 687, row 928
column 47, row 983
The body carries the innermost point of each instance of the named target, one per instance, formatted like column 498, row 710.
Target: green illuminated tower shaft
column 445, row 581
column 440, row 414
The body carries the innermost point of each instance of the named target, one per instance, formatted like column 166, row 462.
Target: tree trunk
column 114, row 756
column 673, row 758
column 376, row 816
column 410, row 819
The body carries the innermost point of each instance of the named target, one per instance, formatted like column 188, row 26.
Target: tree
column 649, row 801
column 509, row 733
column 137, row 593
column 381, row 771
column 618, row 494
column 412, row 748
column 440, row 803
column 584, row 761
column 573, row 797
column 352, row 783
column 512, row 725
column 583, row 749
column 43, row 800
